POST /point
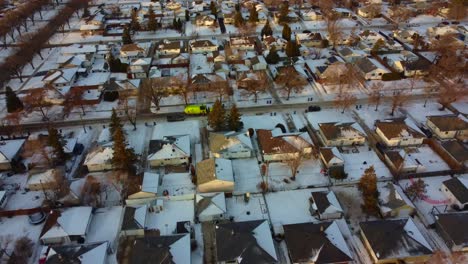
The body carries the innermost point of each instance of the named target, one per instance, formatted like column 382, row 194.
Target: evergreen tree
column 253, row 17
column 292, row 49
column 187, row 15
column 126, row 37
column 238, row 19
column 286, row 33
column 134, row 23
column 234, row 118
column 179, row 24
column 214, row 10
column 13, row 103
column 266, row 30
column 368, row 187
column 55, row 141
column 216, row 117
column 123, row 157
column 152, row 23
column 272, row 57
column 115, row 123
column 86, row 12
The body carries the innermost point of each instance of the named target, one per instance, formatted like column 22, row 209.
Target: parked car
column 314, row 108
column 175, row 117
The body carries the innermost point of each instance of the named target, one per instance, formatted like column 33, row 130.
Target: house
column 316, row 243
column 448, row 126
column 351, row 55
column 99, row 159
column 418, row 67
column 394, row 203
column 138, row 68
column 134, row 220
column 394, row 241
column 249, row 242
column 276, row 146
column 278, row 42
column 44, row 180
column 154, row 248
column 456, row 191
column 171, row 150
column 67, row 225
column 315, row 40
column 370, row 68
column 400, row 162
column 327, row 70
column 215, row 175
column 325, row 205
column 148, row 190
column 258, row 63
column 230, row 145
column 124, row 88
column 243, row 43
column 202, row 46
column 10, row 153
column 453, row 229
column 456, row 151
column 205, row 20
column 369, row 11
column 167, row 47
column 210, row 206
column 312, row 14
column 88, row 253
column 396, row 132
column 342, row 12
column 134, row 51
column 335, row 134
column 206, row 82
column 61, row 77
column 331, row 157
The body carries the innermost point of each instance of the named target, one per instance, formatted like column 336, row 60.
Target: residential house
column 205, row 20
column 249, row 242
column 210, row 206
column 243, row 43
column 342, row 12
column 44, row 180
column 419, row 67
column 315, row 40
column 456, row 190
column 148, row 190
column 88, row 253
column 10, row 153
column 316, row 243
column 351, row 55
column 327, row 70
column 456, row 150
column 335, row 134
column 155, row 249
column 99, row 159
column 278, row 42
column 171, row 150
column 394, row 203
column 453, row 229
column 276, row 146
column 230, row 145
column 134, row 51
column 124, row 88
column 448, row 126
column 215, row 175
column 209, row 81
column 312, row 14
column 61, row 77
column 370, row 68
column 400, row 162
column 66, row 225
column 78, row 49
column 258, row 63
column 139, row 68
column 393, row 241
column 202, row 46
column 396, row 132
column 167, row 47
column 325, row 205
column 331, row 157
column 134, row 220
column 229, row 18
column 368, row 11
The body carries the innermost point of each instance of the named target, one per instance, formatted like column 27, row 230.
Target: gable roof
column 329, row 153
column 72, row 221
column 246, row 242
column 365, row 65
column 273, row 145
column 454, row 226
column 89, row 253
column 226, row 142
column 214, row 169
column 159, row 249
column 210, row 204
column 316, row 243
column 397, row 128
column 401, row 238
column 131, row 47
column 326, row 201
column 199, row 43
column 334, row 130
column 171, row 147
column 10, row 148
column 456, row 150
column 458, row 188
column 448, row 122
column 392, row 198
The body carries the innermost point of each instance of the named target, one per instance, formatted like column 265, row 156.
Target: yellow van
column 196, row 110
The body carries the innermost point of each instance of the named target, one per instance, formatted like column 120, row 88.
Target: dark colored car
column 175, row 117
column 37, row 218
column 314, row 108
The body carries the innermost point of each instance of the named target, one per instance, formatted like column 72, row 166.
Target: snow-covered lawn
column 290, row 207
column 369, row 115
column 191, row 128
column 177, row 184
column 418, row 112
column 327, row 116
column 309, row 176
column 173, row 212
column 357, row 159
column 262, row 121
column 434, row 197
column 20, row 199
column 427, row 158
column 254, row 209
column 246, row 175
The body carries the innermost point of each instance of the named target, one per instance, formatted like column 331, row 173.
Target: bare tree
column 450, row 93
column 290, row 81
column 91, row 192
column 60, row 186
column 253, row 86
column 375, row 96
column 155, row 88
column 73, row 98
column 129, row 111
column 22, row 251
column 334, row 29
column 398, row 99
column 344, row 100
column 36, row 100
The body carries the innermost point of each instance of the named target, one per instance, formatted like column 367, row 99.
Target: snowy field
column 309, row 176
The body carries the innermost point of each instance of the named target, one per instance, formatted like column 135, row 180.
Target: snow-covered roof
column 214, row 169
column 102, row 155
column 72, row 221
column 210, row 204
column 78, row 49
column 9, row 149
column 150, row 182
column 173, row 148
column 42, row 178
column 70, row 145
